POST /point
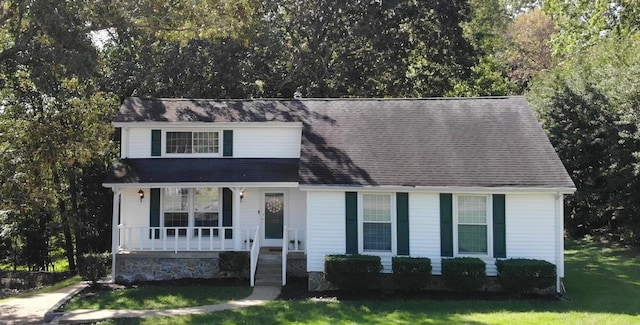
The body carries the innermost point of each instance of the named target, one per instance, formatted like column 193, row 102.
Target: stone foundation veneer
column 157, row 266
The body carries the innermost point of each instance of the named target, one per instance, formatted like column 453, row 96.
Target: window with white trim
column 187, row 142
column 189, row 208
column 377, row 228
column 472, row 224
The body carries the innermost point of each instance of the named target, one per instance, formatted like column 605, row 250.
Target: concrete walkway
column 31, row 310
column 260, row 295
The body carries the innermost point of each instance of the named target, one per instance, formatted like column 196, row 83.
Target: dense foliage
column 235, row 264
column 353, row 272
column 411, row 273
column 523, row 275
column 464, row 273
column 94, row 266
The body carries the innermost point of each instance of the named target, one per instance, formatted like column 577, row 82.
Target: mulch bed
column 296, row 289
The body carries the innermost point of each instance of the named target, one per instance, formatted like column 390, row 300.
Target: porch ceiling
column 204, row 170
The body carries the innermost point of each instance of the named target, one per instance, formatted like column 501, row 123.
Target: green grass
column 59, row 285
column 159, row 297
column 603, row 287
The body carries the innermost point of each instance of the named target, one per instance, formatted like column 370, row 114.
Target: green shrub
column 411, row 273
column 520, row 275
column 94, row 266
column 353, row 272
column 235, row 263
column 464, row 273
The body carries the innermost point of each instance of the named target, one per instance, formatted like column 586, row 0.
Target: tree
column 485, row 30
column 529, row 49
column 589, row 107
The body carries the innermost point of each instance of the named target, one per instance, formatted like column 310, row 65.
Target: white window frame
column 489, row 203
column 393, row 217
column 191, row 155
column 190, row 212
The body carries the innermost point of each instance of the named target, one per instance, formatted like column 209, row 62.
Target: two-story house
column 433, row 178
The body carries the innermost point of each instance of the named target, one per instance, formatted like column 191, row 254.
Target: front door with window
column 273, row 218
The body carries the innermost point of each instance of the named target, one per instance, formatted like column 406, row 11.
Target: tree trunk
column 66, row 228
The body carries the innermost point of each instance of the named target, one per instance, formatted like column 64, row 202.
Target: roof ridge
column 327, row 98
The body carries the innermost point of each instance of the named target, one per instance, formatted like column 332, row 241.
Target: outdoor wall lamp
column 241, row 196
column 141, row 194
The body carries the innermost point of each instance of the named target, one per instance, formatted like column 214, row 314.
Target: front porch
column 155, row 228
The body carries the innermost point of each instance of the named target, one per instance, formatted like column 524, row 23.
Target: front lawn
column 603, row 287
column 158, row 296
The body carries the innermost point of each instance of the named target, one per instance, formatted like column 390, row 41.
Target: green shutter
column 227, row 211
column 402, row 211
column 154, row 211
column 227, row 143
column 499, row 229
column 446, row 225
column 156, row 143
column 351, row 202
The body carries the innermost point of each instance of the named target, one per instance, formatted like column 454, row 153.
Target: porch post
column 237, row 242
column 115, row 243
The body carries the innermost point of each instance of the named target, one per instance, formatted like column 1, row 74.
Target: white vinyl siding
column 530, row 226
column 139, row 141
column 325, row 227
column 267, row 142
column 424, row 227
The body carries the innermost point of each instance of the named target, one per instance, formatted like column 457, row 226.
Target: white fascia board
column 207, row 124
column 161, row 185
column 439, row 189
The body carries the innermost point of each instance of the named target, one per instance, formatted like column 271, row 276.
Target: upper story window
column 473, row 224
column 192, row 142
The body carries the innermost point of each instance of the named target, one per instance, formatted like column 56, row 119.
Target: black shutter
column 227, row 211
column 351, row 202
column 227, row 143
column 156, row 143
column 154, row 211
column 499, row 229
column 402, row 211
column 446, row 225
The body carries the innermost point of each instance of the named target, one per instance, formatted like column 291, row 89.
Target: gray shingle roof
column 466, row 142
column 199, row 170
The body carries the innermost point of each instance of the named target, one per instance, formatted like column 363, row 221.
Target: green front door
column 273, row 215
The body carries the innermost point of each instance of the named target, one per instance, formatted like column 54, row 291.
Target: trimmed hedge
column 519, row 275
column 94, row 266
column 353, row 272
column 464, row 273
column 235, row 263
column 411, row 273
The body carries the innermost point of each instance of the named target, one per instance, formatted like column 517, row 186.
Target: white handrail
column 285, row 251
column 255, row 253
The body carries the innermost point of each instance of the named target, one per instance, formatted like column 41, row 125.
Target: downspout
column 115, row 232
column 559, row 242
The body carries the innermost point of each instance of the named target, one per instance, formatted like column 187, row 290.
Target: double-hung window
column 206, row 207
column 191, row 208
column 186, row 142
column 473, row 224
column 176, row 211
column 377, row 222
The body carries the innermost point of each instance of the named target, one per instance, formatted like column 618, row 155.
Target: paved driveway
column 31, row 310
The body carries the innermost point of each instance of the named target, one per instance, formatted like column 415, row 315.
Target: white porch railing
column 134, row 238
column 295, row 239
column 255, row 254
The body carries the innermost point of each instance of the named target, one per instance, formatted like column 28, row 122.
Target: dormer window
column 192, row 142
